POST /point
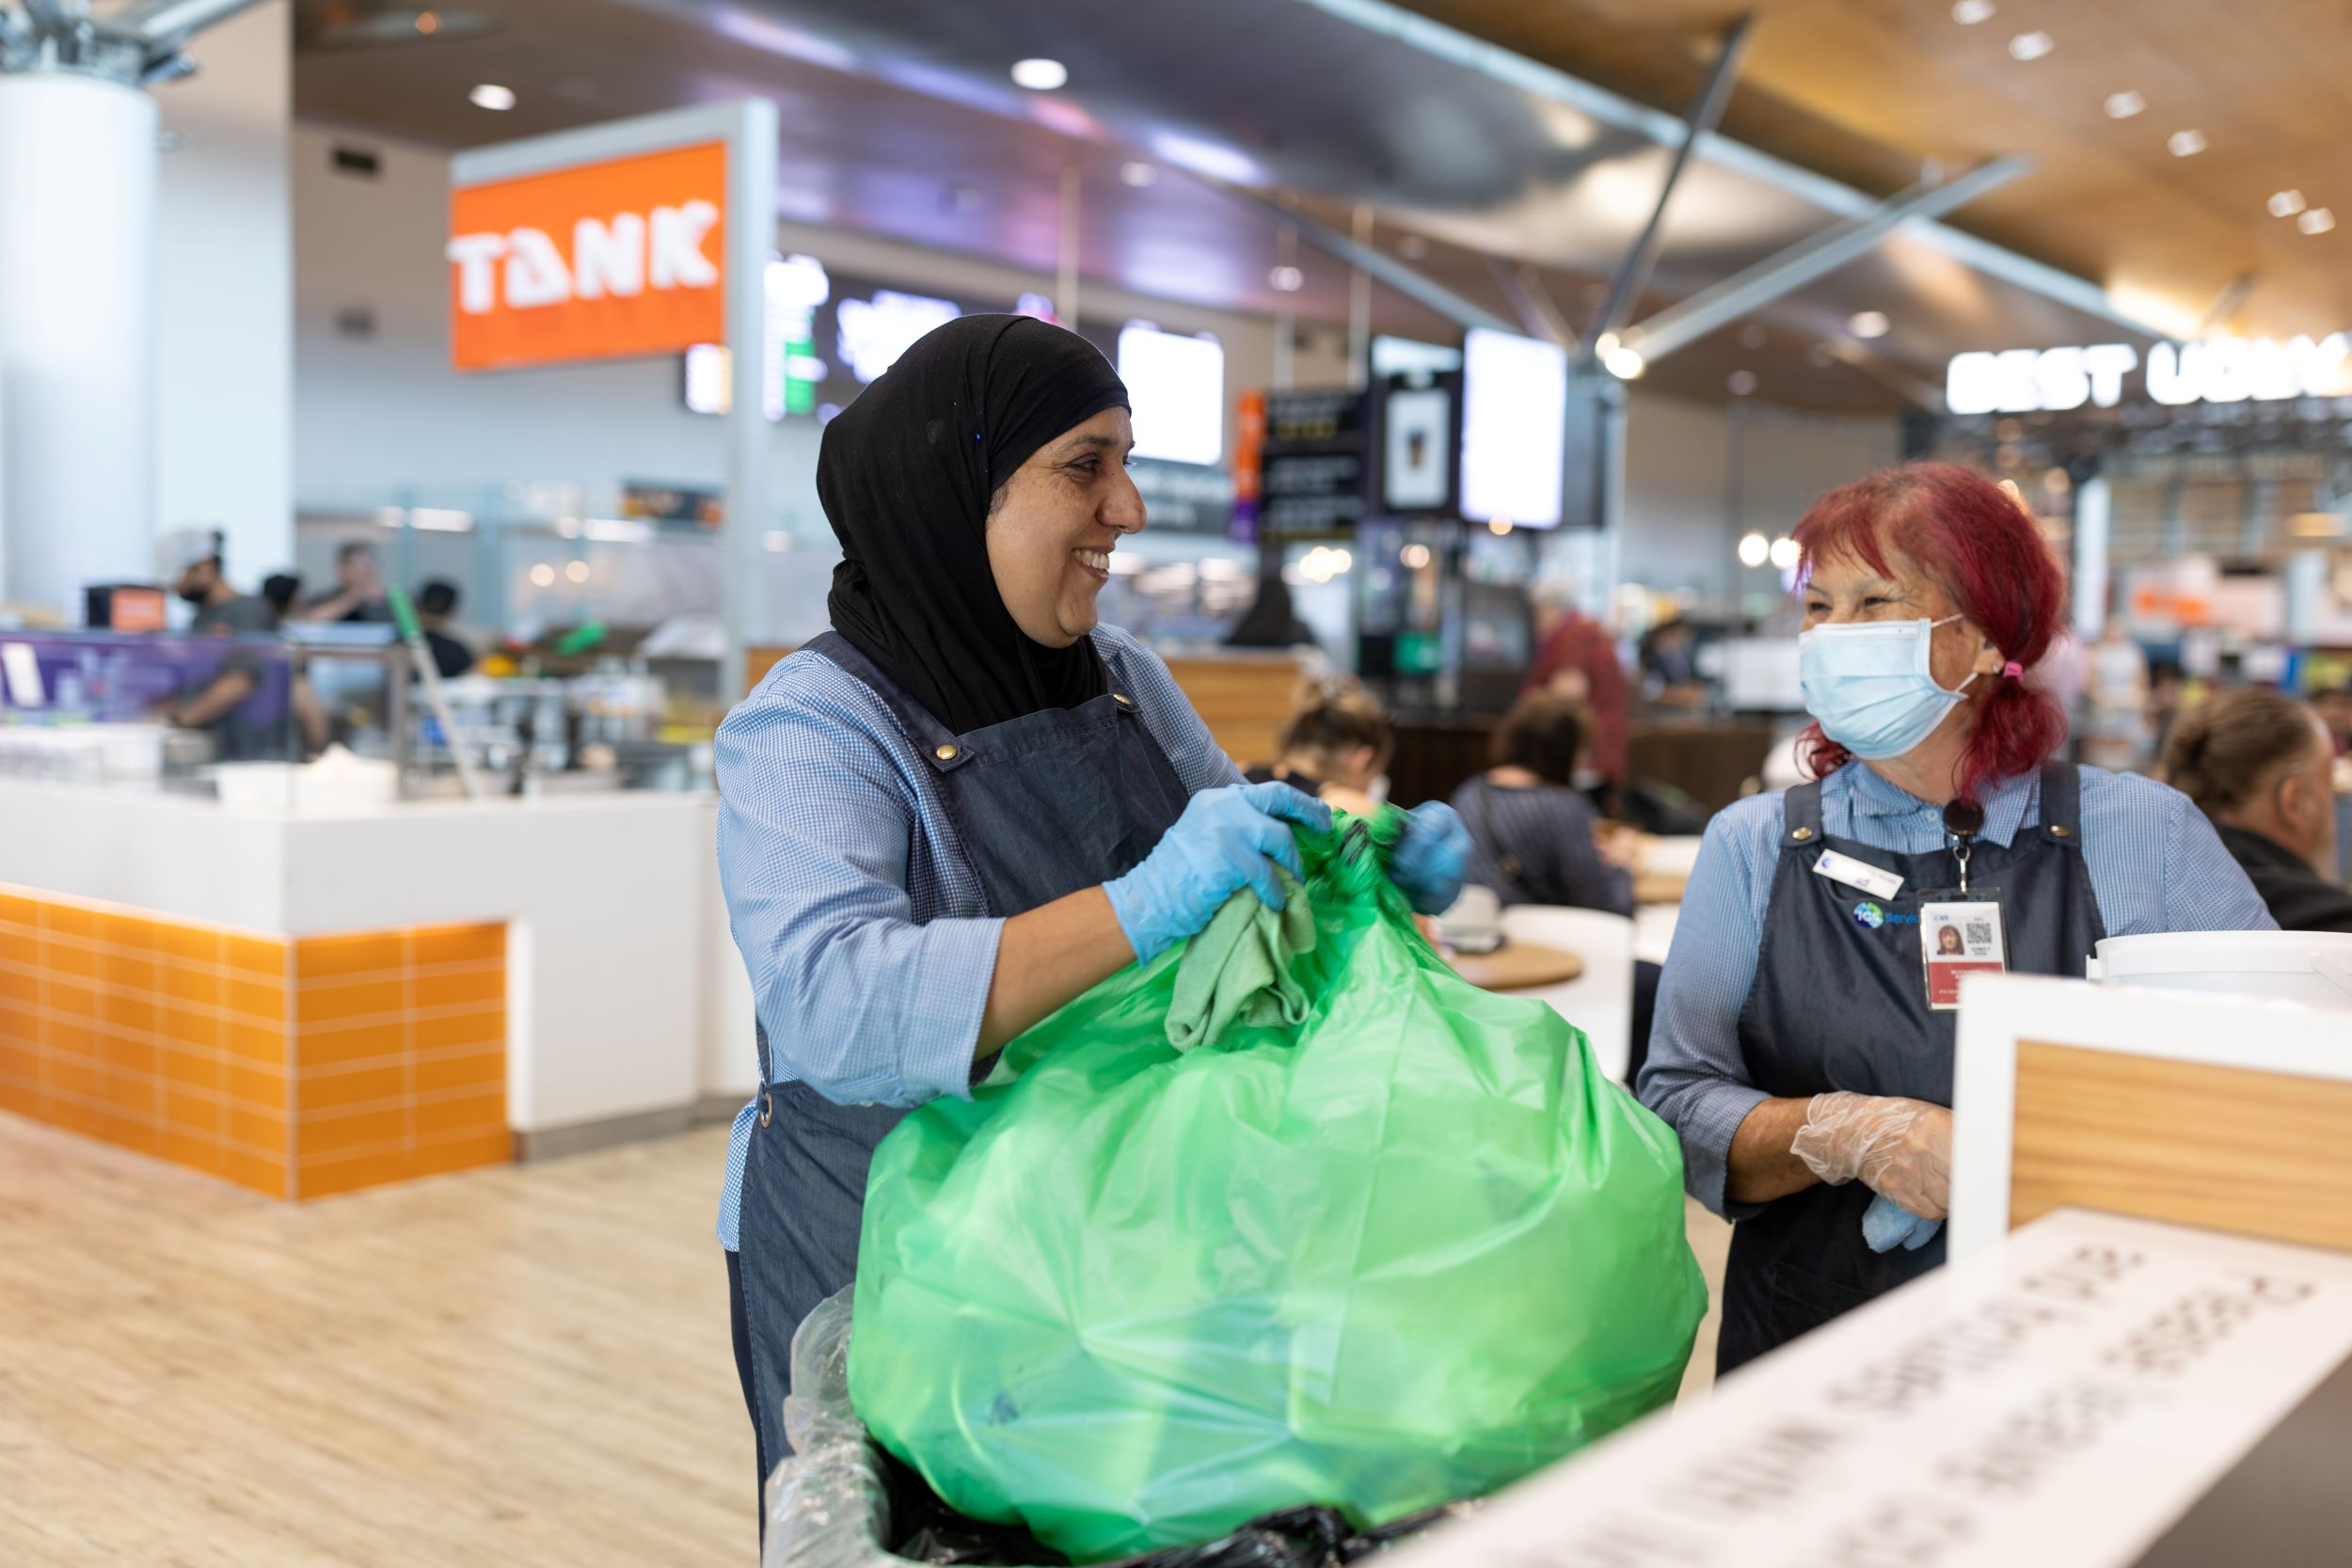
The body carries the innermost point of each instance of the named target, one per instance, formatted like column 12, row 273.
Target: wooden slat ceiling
column 1865, row 89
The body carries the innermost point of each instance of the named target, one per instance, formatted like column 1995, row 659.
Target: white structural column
column 2093, row 509
column 77, row 336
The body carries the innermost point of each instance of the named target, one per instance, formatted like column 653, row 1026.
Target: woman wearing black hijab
column 966, row 803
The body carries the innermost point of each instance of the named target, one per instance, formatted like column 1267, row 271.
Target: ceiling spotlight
column 1413, row 556
column 577, row 571
column 1139, row 175
column 543, row 576
column 1786, row 553
column 2186, row 144
column 1412, row 247
column 1868, row 323
column 1754, row 335
column 2029, row 46
column 1754, row 549
column 2287, row 203
column 2317, row 221
column 1287, row 279
column 489, row 95
column 1742, row 384
column 428, row 23
column 1040, row 76
column 2123, row 105
column 1500, row 527
column 1969, row 13
column 1623, row 363
column 1823, row 355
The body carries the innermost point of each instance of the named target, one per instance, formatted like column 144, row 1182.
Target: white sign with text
column 2061, row 1399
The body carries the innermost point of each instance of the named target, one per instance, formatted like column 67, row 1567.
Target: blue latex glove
column 1888, row 1222
column 1227, row 839
column 1428, row 863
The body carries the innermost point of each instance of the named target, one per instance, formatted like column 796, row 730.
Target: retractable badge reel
column 1960, row 929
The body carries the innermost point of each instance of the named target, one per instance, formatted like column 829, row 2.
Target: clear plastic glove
column 1900, row 1149
column 1429, row 860
column 1227, row 839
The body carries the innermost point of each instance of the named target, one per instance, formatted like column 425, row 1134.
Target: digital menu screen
column 1515, row 405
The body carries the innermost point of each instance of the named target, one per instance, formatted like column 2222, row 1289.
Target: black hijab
column 905, row 473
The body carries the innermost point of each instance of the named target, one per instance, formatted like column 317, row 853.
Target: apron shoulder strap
column 931, row 737
column 2062, row 803
column 1800, row 816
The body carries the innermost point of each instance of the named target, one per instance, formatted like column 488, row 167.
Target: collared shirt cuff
column 1709, row 1120
column 955, row 964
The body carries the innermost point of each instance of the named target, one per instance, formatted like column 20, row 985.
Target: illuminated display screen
column 1513, row 428
column 1176, row 385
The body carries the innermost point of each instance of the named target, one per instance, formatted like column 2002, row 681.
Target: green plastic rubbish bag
column 1403, row 1251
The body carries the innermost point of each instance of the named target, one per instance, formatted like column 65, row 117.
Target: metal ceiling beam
column 1497, row 64
column 1386, row 268
column 1705, row 114
column 1525, row 291
column 1711, row 309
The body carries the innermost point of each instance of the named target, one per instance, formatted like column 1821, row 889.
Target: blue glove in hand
column 1888, row 1224
column 1227, row 839
column 1429, row 860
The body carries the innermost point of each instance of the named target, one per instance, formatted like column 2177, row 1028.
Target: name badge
column 1959, row 936
column 1875, row 880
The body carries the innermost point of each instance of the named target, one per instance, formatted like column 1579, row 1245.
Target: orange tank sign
column 596, row 262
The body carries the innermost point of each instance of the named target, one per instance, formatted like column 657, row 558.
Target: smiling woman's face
column 1053, row 525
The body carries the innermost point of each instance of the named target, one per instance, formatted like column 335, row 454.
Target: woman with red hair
column 1803, row 1043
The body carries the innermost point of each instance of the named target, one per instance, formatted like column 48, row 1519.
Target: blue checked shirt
column 2154, row 861
column 850, row 892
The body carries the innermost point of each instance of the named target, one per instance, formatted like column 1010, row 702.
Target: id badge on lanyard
column 1961, row 929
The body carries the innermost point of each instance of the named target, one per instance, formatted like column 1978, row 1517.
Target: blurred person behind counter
column 190, row 558
column 2262, row 766
column 1803, row 1043
column 1576, row 659
column 359, row 593
column 966, row 803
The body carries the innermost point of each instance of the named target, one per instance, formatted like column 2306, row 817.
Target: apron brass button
column 766, row 1107
column 1121, row 698
column 2058, row 833
column 945, row 753
column 1801, row 834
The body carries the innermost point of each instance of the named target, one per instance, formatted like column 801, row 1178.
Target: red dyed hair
column 1978, row 544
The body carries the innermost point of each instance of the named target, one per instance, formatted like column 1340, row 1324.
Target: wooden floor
column 511, row 1367
column 515, row 1367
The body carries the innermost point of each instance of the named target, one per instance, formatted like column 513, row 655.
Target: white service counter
column 627, row 1004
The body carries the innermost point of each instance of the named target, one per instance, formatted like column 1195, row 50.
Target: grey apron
column 1838, row 1003
column 1044, row 805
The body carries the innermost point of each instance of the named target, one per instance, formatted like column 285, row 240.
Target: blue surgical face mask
column 1871, row 685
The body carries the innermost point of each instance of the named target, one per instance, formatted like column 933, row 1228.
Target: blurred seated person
column 2262, row 765
column 1336, row 746
column 192, row 561
column 1535, row 838
column 1670, row 672
column 2334, row 707
column 359, row 593
column 1576, row 659
column 437, row 604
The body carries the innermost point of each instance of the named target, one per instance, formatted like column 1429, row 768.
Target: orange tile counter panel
column 400, row 1054
column 165, row 1037
column 297, row 1068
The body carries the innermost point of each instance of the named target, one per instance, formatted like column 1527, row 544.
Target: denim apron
column 1839, row 1003
column 1044, row 805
